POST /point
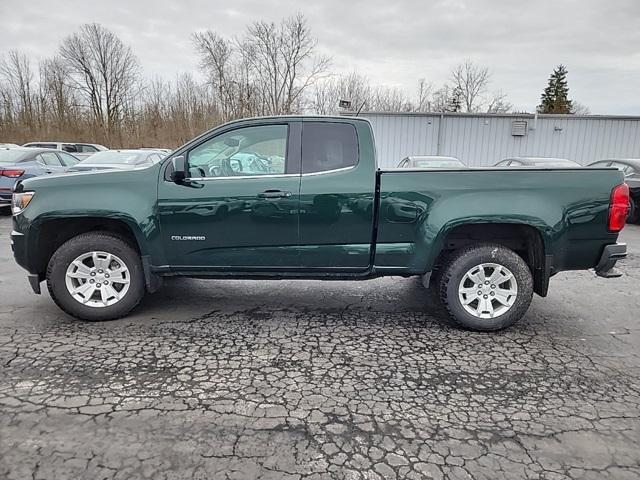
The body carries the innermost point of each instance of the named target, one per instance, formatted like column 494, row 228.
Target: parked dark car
column 21, row 163
column 430, row 161
column 631, row 169
column 538, row 162
column 119, row 160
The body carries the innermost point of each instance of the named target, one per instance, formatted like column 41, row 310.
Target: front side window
column 248, row 151
column 328, row 146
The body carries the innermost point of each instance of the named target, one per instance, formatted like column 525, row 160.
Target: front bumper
column 610, row 255
column 19, row 247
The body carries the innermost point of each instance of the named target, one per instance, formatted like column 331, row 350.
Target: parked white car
column 79, row 150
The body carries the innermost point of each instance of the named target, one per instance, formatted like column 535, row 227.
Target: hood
column 102, row 178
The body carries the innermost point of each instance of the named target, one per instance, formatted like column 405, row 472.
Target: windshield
column 112, row 157
column 438, row 163
column 12, row 156
column 555, row 163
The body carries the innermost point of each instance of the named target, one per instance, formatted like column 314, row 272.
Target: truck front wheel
column 486, row 287
column 96, row 276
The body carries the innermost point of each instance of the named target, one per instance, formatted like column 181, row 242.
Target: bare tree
column 472, row 80
column 267, row 71
column 578, row 108
column 499, row 103
column 18, row 88
column 425, row 91
column 103, row 70
column 57, row 96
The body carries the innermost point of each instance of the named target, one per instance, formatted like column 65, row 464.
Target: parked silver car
column 21, row 163
column 119, row 160
column 430, row 161
column 79, row 150
column 538, row 162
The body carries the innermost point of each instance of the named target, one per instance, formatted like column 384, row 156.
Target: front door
column 239, row 211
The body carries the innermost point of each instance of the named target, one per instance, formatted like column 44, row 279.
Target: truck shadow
column 391, row 298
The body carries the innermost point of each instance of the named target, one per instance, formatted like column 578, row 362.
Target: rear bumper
column 5, row 196
column 610, row 255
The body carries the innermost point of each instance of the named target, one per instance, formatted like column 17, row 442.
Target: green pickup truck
column 302, row 197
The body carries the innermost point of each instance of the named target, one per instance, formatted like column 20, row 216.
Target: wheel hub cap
column 488, row 290
column 97, row 279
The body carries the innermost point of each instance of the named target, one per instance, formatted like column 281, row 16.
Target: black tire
column 464, row 260
column 5, row 211
column 634, row 212
column 84, row 243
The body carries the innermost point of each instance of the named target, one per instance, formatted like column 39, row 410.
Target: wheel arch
column 52, row 233
column 526, row 240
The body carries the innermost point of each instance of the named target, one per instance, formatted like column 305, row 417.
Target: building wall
column 483, row 140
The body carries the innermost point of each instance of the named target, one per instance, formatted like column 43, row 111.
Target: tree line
column 94, row 90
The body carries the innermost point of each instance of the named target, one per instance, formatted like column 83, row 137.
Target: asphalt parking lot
column 288, row 380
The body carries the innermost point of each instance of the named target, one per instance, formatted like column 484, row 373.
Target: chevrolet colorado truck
column 302, row 197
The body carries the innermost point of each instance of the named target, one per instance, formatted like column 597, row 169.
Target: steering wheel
column 214, row 171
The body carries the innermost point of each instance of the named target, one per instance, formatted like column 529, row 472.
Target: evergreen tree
column 455, row 102
column 555, row 98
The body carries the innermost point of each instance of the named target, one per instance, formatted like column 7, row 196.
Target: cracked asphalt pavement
column 312, row 380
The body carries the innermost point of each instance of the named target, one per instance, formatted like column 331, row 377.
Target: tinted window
column 245, row 151
column 49, row 159
column 69, row 147
column 515, row 163
column 42, row 145
column 328, row 146
column 67, row 159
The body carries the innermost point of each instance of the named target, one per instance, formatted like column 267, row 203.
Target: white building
column 484, row 139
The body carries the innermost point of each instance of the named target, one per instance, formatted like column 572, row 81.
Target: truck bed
column 421, row 209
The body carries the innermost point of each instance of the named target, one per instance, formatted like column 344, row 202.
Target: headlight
column 21, row 201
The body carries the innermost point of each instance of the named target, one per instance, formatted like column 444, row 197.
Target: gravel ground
column 309, row 379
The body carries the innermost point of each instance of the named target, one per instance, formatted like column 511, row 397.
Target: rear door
column 50, row 162
column 233, row 215
column 336, row 197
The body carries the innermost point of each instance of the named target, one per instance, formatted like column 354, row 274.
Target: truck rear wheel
column 486, row 287
column 96, row 276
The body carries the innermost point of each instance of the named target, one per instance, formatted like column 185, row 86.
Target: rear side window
column 86, row 148
column 67, row 159
column 49, row 159
column 328, row 146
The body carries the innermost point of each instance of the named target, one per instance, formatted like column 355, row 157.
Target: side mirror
column 179, row 172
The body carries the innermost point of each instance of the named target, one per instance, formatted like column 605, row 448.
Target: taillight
column 619, row 209
column 11, row 173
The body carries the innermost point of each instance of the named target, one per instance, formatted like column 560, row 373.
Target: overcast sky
column 393, row 42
